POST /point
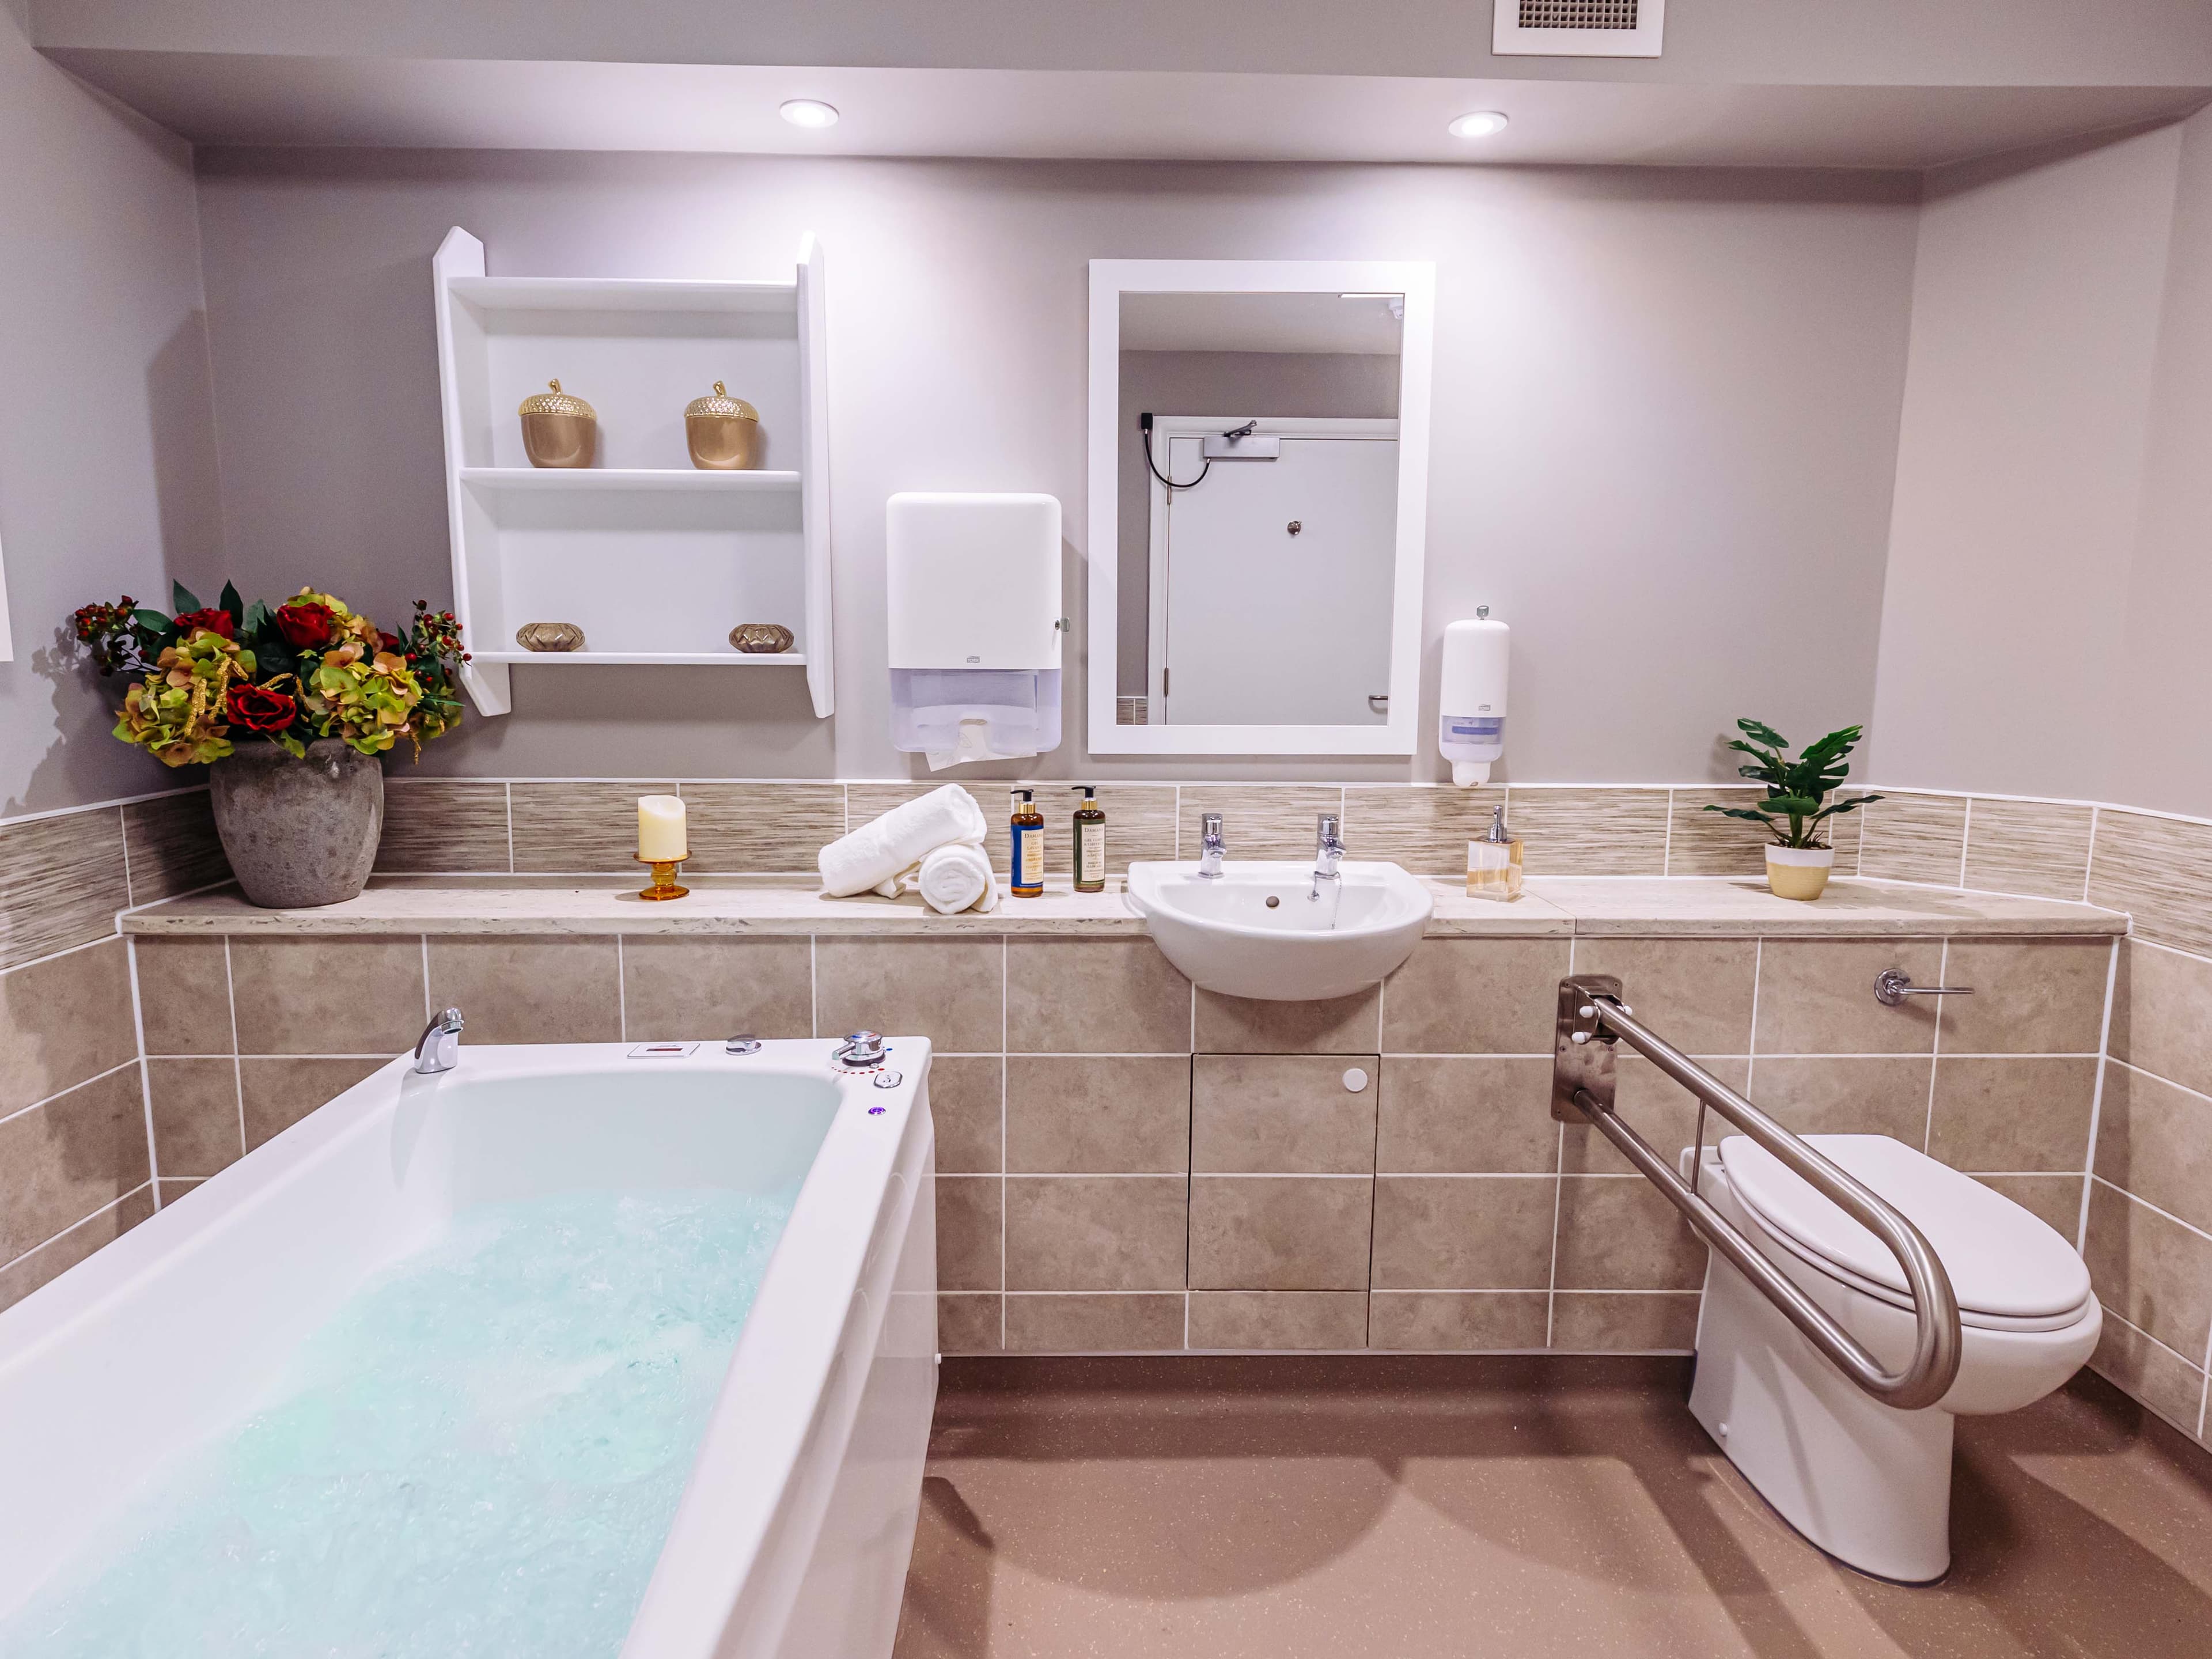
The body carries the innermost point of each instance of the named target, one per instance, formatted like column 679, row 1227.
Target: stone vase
column 299, row 832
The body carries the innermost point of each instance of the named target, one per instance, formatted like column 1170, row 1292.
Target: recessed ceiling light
column 813, row 113
column 1480, row 125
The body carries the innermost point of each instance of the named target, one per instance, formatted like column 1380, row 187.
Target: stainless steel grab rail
column 1592, row 1017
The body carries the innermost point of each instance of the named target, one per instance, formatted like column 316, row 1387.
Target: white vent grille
column 1578, row 28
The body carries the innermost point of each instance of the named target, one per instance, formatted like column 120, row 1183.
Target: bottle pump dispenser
column 1471, row 722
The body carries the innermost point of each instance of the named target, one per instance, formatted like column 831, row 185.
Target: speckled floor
column 1415, row 1507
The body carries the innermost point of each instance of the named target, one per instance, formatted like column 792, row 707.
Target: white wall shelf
column 654, row 559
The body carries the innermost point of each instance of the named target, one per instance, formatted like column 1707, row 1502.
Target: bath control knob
column 859, row 1050
column 889, row 1079
column 744, row 1043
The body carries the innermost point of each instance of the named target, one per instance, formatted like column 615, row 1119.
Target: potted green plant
column 325, row 691
column 1800, row 857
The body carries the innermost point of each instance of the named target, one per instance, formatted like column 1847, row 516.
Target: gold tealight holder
column 663, row 885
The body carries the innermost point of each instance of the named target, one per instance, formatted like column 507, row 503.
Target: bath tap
column 438, row 1048
column 1328, row 853
column 1211, row 849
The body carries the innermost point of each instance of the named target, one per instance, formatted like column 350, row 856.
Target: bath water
column 477, row 1458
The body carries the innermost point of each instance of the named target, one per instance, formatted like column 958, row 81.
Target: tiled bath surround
column 1127, row 1165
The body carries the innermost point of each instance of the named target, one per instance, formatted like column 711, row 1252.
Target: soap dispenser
column 1026, row 876
column 1090, row 842
column 1471, row 722
column 1493, row 864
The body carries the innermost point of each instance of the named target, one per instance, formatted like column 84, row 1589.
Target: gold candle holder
column 663, row 885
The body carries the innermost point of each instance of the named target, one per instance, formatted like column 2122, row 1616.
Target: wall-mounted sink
column 1256, row 931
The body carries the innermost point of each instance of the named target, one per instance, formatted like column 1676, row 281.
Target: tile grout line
column 2137, row 1197
column 1966, row 837
column 70, row 951
column 130, row 896
column 1558, row 1191
column 2089, row 864
column 146, row 1185
column 237, row 1066
column 1936, row 1046
column 1004, row 966
column 145, row 1071
column 2097, row 1095
column 1751, row 1046
column 506, row 798
column 61, row 1094
column 1667, row 852
column 622, row 993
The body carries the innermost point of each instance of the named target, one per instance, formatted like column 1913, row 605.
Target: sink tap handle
column 1212, row 848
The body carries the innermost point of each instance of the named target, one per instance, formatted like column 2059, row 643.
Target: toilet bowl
column 1869, row 1483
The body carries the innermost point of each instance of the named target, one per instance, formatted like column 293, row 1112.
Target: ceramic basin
column 1257, row 931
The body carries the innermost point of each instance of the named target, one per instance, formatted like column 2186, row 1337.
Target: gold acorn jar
column 724, row 433
column 558, row 428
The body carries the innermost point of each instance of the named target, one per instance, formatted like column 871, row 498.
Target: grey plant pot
column 299, row 832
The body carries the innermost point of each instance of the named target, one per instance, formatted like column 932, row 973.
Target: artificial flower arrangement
column 308, row 668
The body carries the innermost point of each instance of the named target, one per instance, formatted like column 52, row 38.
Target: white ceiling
column 1364, row 327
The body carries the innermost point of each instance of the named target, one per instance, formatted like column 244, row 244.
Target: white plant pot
column 1799, row 873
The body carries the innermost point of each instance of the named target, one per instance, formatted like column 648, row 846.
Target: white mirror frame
column 1109, row 280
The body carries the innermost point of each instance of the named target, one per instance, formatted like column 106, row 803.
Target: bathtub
column 794, row 1530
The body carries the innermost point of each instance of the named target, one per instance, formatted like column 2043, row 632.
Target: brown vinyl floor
column 1401, row 1508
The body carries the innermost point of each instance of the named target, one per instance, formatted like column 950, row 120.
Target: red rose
column 309, row 626
column 217, row 621
column 259, row 709
column 389, row 641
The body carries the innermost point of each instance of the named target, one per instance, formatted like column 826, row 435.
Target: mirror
column 1259, row 459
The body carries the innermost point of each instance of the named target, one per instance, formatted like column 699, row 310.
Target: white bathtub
column 795, row 1526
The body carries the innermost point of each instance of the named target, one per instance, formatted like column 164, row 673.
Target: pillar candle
column 660, row 829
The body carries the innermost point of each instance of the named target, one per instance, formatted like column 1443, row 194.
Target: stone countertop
column 1682, row 907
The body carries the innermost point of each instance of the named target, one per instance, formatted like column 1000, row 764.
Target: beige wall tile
column 1909, row 838
column 967, row 1104
column 2031, row 996
column 950, row 990
column 43, row 1265
column 531, row 990
column 1259, row 820
column 2037, row 847
column 196, row 1115
column 62, row 1021
column 2162, row 1014
column 1094, row 1323
column 1846, row 832
column 76, row 1154
column 172, row 1190
column 1474, row 996
column 1464, row 1232
column 1278, row 1320
column 173, row 847
column 444, row 824
column 1654, row 1105
column 1279, row 1232
column 970, row 1230
column 1282, row 1115
column 1816, row 997
column 276, row 1093
column 1619, row 1233
column 2159, row 1378
column 578, row 828
column 1619, row 1322
column 2021, row 1113
column 1456, row 1322
column 280, row 992
column 2152, row 1271
column 61, row 883
column 1590, row 832
column 1140, row 825
column 2053, row 1199
column 1842, row 1094
column 1241, row 1025
column 1475, row 1114
column 1083, row 996
column 756, row 828
column 969, row 1323
column 184, row 995
column 867, row 802
column 1097, row 1232
column 2155, row 1140
column 1102, row 1115
column 1697, row 992
column 1419, row 827
column 2153, row 869
column 1702, row 843
column 680, row 989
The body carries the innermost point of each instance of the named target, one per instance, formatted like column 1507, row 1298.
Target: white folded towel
column 956, row 878
column 877, row 853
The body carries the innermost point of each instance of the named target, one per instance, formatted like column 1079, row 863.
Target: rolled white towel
column 956, row 878
column 878, row 851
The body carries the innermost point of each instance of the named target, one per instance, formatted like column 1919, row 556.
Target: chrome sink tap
column 438, row 1048
column 1211, row 849
column 1328, row 854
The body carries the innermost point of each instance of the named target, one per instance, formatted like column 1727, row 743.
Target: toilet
column 1869, row 1483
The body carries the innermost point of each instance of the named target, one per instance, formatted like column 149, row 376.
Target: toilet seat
column 2008, row 1269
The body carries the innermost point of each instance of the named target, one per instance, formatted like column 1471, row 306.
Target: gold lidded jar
column 559, row 429
column 762, row 639
column 724, row 433
column 549, row 636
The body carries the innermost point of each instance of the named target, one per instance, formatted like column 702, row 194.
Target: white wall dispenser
column 1471, row 718
column 972, row 586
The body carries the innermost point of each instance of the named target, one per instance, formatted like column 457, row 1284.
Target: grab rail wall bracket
column 1592, row 1018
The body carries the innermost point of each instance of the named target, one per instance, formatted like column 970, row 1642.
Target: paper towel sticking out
column 974, row 745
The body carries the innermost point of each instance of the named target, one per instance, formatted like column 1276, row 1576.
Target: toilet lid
column 2003, row 1261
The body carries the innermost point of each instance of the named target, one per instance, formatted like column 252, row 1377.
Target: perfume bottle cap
column 1498, row 835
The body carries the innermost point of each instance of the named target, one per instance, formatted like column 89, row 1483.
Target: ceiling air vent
column 1576, row 28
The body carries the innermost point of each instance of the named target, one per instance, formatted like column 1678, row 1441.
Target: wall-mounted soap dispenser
column 972, row 585
column 1471, row 720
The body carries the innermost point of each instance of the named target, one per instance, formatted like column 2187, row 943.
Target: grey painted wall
column 108, row 475
column 1665, row 431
